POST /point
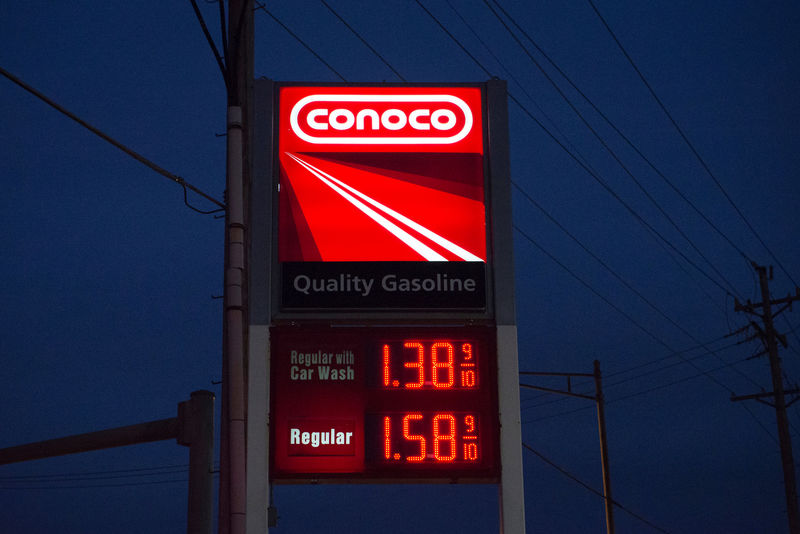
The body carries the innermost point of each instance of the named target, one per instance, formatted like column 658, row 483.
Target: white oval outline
column 381, row 140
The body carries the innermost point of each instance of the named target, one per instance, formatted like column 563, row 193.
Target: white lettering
column 347, row 115
column 449, row 122
column 312, row 119
column 393, row 119
column 372, row 114
column 413, row 119
column 315, row 439
column 449, row 116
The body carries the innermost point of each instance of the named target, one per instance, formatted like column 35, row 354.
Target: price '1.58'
column 440, row 437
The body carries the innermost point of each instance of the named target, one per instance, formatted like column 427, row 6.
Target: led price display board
column 381, row 198
column 399, row 403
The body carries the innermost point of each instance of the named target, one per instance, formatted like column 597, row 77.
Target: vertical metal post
column 512, row 494
column 201, row 461
column 601, row 424
column 259, row 315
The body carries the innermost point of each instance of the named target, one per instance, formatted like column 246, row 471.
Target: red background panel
column 289, row 141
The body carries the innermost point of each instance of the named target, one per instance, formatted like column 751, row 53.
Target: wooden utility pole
column 193, row 428
column 770, row 337
column 601, row 426
column 238, row 78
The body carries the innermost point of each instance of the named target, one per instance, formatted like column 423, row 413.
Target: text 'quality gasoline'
column 391, row 283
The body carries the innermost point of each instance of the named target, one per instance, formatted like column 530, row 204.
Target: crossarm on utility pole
column 104, row 439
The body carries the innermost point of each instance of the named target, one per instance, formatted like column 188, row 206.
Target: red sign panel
column 377, row 403
column 380, row 175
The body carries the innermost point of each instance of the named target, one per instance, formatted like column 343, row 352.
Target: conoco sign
column 381, row 198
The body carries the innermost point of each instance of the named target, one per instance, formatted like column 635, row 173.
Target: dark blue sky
column 108, row 317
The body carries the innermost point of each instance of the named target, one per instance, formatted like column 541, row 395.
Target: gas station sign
column 382, row 200
column 372, row 403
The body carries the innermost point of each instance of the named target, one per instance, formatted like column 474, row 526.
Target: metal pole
column 601, row 423
column 201, row 462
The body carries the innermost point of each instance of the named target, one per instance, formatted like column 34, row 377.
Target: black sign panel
column 383, row 285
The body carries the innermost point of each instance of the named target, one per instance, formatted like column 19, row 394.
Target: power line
column 608, row 149
column 686, row 139
column 135, row 155
column 605, row 186
column 87, row 486
column 659, row 387
column 263, row 8
column 220, row 62
column 88, row 478
column 84, row 474
column 600, row 494
column 615, row 273
column 514, row 79
column 583, row 165
column 624, row 137
column 456, row 41
column 364, row 41
column 646, row 373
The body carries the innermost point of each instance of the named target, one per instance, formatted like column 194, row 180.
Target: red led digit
column 469, row 421
column 449, row 437
column 467, row 348
column 387, row 439
column 419, row 364
column 437, row 365
column 386, row 366
column 468, row 378
column 413, row 437
column 470, row 451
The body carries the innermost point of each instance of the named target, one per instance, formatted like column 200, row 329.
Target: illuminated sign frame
column 382, row 201
column 268, row 309
column 382, row 404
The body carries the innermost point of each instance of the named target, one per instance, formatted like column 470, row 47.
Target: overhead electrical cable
column 263, row 8
column 514, row 78
column 572, row 147
column 86, row 486
column 616, row 275
column 86, row 474
column 220, row 62
column 656, row 388
column 686, row 139
column 608, row 149
column 701, row 372
column 608, row 385
column 583, row 165
column 608, row 188
column 619, row 132
column 84, row 478
column 640, row 365
column 360, row 38
column 591, row 489
column 135, row 155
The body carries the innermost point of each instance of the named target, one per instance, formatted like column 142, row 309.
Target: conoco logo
column 381, row 119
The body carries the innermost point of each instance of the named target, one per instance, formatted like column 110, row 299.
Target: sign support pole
column 512, row 495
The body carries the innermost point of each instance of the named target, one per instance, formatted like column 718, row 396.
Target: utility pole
column 769, row 338
column 601, row 426
column 239, row 74
column 193, row 428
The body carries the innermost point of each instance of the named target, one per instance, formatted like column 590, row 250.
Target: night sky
column 109, row 315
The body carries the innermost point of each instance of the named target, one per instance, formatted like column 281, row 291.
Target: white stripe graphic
column 419, row 247
column 433, row 236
